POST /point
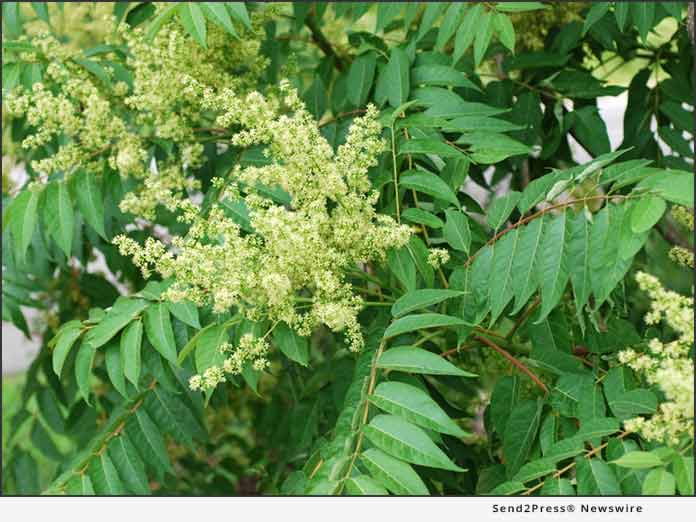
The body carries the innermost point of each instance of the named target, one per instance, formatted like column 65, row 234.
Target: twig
column 523, row 317
column 323, row 43
column 515, row 362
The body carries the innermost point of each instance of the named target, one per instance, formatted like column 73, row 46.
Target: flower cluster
column 679, row 254
column 291, row 266
column 666, row 365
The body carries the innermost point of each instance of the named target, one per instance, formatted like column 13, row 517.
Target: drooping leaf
column 397, row 77
column 414, row 405
column 394, row 474
column 158, row 327
column 456, row 230
column 122, row 313
column 520, row 433
column 294, row 346
column 428, row 183
column 130, row 344
column 403, row 440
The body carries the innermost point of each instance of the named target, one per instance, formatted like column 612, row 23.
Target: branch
column 323, row 43
column 515, row 362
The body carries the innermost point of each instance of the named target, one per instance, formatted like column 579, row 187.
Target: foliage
column 343, row 248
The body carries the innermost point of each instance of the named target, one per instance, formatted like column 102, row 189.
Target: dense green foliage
column 402, row 282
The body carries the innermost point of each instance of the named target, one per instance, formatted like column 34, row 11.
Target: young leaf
column 394, row 474
column 484, row 33
column 466, row 32
column 414, row 405
column 158, row 327
column 416, row 360
column 405, row 441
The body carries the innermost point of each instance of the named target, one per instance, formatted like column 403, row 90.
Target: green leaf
column 360, row 78
column 503, row 399
column 505, row 31
column 621, row 12
column 595, row 428
column 220, row 15
column 90, row 201
column 501, row 208
column 428, row 183
column 484, row 33
column 419, row 299
column 363, row 485
column 450, row 22
column 429, row 146
column 186, row 312
column 402, row 266
column 646, row 213
column 59, row 215
column 643, row 15
column 422, row 217
column 683, row 468
column 159, row 20
column 114, row 369
column 174, row 416
column 192, row 19
column 65, row 340
column 416, row 360
column 414, row 322
column 403, row 440
column 80, row 485
column 386, row 12
column 83, row 368
column 295, row 347
column 394, row 474
column 491, row 147
column 525, row 263
column 518, row 7
column 131, row 341
column 466, row 32
column 239, row 12
column 579, row 253
column 397, row 77
column 596, row 12
column 440, row 75
column 23, row 215
column 315, row 98
column 673, row 185
column 520, row 433
column 553, row 264
column 638, row 460
column 129, row 465
column 508, row 488
column 595, row 477
column 158, row 327
column 104, row 476
column 50, row 410
column 478, row 123
column 633, row 402
column 414, row 405
column 456, row 230
column 557, row 487
column 208, row 352
column 501, row 282
column 535, row 469
column 146, row 437
column 122, row 313
column 659, row 481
